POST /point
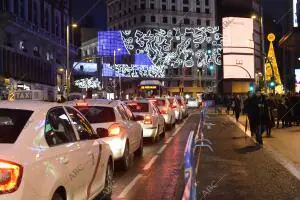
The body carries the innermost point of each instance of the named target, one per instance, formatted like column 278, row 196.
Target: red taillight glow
column 115, row 130
column 147, row 119
column 81, row 104
column 10, row 177
column 164, row 110
column 174, row 105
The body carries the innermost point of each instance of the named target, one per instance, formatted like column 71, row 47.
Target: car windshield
column 138, row 107
column 12, row 122
column 98, row 114
column 179, row 101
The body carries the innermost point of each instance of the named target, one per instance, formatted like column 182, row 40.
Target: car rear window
column 98, row 114
column 138, row 107
column 160, row 102
column 191, row 99
column 171, row 101
column 179, row 101
column 12, row 122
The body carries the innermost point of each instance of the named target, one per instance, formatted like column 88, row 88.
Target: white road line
column 150, row 163
column 162, row 149
column 177, row 130
column 129, row 186
column 289, row 165
column 169, row 140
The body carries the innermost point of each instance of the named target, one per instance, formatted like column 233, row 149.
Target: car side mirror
column 102, row 132
column 139, row 117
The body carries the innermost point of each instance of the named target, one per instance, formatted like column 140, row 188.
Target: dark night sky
column 80, row 7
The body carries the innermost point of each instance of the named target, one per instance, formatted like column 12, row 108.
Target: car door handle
column 64, row 160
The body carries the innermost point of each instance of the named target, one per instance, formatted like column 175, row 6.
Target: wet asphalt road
column 237, row 169
column 159, row 173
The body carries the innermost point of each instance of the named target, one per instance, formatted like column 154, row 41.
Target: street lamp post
column 68, row 70
column 120, row 83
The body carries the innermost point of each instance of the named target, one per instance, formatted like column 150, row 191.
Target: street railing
column 196, row 141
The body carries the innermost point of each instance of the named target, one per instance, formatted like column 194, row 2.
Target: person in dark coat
column 248, row 109
column 237, row 107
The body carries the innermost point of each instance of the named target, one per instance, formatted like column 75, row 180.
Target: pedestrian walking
column 237, row 107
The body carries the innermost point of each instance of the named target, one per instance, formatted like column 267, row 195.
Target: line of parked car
column 67, row 151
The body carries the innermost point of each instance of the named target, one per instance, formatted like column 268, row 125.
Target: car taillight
column 147, row 119
column 174, row 106
column 164, row 110
column 10, row 176
column 115, row 130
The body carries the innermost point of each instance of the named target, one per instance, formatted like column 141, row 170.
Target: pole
column 68, row 82
column 262, row 42
column 114, row 73
column 120, row 83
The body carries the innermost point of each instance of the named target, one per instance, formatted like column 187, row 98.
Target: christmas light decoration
column 88, row 83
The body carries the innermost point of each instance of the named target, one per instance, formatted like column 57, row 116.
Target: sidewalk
column 284, row 142
column 237, row 169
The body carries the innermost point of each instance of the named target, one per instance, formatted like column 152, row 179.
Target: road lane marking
column 177, row 130
column 150, row 163
column 162, row 149
column 169, row 140
column 126, row 190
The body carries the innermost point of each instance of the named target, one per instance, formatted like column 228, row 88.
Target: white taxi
column 50, row 151
column 153, row 122
column 117, row 125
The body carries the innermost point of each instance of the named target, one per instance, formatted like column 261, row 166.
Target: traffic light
column 251, row 87
column 272, row 83
column 209, row 50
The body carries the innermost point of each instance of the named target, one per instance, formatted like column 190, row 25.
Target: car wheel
column 57, row 196
column 107, row 191
column 126, row 157
column 139, row 152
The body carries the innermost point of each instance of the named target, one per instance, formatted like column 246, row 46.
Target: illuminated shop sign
column 148, row 87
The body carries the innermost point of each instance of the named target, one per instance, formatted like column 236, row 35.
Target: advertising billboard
column 297, row 73
column 238, row 48
column 296, row 12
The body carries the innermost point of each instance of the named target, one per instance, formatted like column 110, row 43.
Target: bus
column 151, row 88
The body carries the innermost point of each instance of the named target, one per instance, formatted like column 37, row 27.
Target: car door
column 159, row 118
column 134, row 127
column 63, row 152
column 90, row 152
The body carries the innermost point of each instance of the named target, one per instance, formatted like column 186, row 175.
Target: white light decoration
column 138, row 71
column 177, row 47
column 88, row 83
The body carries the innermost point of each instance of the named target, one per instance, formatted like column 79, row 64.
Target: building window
column 47, row 56
column 198, row 21
column 207, row 10
column 153, row 18
column 57, row 25
column 35, row 13
column 22, row 9
column 207, row 22
column 173, row 8
column 165, row 19
column 198, row 10
column 152, row 6
column 186, row 21
column 47, row 17
column 197, row 2
column 174, row 20
column 16, row 7
column 22, row 45
column 143, row 6
column 36, row 51
column 143, row 18
column 134, row 20
column 173, row 1
column 185, row 9
column 164, row 7
column 206, row 2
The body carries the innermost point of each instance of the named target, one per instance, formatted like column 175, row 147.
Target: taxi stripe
column 94, row 174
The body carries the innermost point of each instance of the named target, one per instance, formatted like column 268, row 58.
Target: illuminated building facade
column 168, row 14
column 33, row 42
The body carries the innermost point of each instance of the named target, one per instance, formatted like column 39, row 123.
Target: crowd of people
column 264, row 111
